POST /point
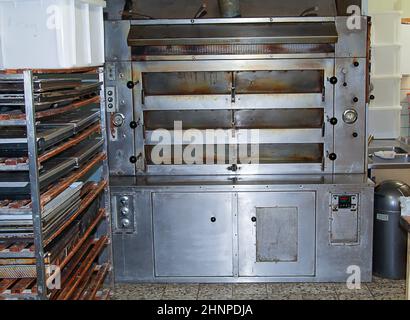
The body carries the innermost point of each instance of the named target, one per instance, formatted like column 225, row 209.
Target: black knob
column 344, row 84
column 356, row 64
column 355, row 134
column 356, row 99
column 333, row 80
column 233, row 168
column 130, row 85
column 133, row 159
column 372, row 97
column 333, row 121
column 253, row 219
column 333, row 156
column 133, row 124
column 213, row 219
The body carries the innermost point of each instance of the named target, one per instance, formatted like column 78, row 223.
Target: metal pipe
column 230, row 8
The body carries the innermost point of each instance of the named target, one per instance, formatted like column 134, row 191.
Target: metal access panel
column 276, row 234
column 193, row 234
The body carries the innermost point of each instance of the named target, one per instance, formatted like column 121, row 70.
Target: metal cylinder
column 390, row 241
column 230, row 8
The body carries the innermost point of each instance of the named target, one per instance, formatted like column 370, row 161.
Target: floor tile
column 250, row 289
column 215, row 289
column 140, row 290
column 181, row 290
column 285, row 297
column 316, row 297
column 216, row 296
column 301, row 288
column 395, row 297
column 179, row 296
column 251, row 297
column 379, row 289
column 342, row 289
column 356, row 297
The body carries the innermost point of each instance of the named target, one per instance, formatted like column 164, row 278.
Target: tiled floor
column 379, row 289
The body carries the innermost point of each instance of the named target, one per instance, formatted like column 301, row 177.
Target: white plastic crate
column 405, row 52
column 385, row 122
column 386, row 90
column 51, row 34
column 386, row 27
column 386, row 60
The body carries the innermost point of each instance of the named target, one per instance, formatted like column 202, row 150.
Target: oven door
column 276, row 234
column 263, row 116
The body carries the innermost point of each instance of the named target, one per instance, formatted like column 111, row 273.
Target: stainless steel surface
column 292, row 223
column 230, row 8
column 289, row 73
column 35, row 184
column 330, row 260
column 401, row 160
column 163, row 9
column 210, row 233
column 258, row 33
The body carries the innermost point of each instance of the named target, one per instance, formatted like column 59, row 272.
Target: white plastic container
column 386, row 27
column 386, row 90
column 405, row 52
column 386, row 60
column 51, row 34
column 385, row 122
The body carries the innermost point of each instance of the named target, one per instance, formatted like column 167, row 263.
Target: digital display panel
column 345, row 202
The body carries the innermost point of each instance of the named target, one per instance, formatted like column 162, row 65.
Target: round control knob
column 350, row 116
column 333, row 80
column 133, row 159
column 213, row 219
column 333, row 121
column 253, row 219
column 124, row 201
column 130, row 85
column 372, row 97
column 356, row 64
column 126, row 223
column 355, row 99
column 125, row 211
column 355, row 134
column 118, row 120
column 133, row 124
column 333, row 156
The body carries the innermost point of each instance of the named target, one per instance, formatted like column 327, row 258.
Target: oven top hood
column 233, row 31
column 186, row 9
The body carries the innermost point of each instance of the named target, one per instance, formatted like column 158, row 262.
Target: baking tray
column 46, row 100
column 39, row 85
column 83, row 151
column 61, row 208
column 16, row 185
column 13, row 140
column 79, row 118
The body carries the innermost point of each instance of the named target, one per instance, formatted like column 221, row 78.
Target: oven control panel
column 346, row 202
column 125, row 213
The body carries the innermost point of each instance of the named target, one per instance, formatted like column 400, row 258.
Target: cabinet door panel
column 193, row 234
column 276, row 234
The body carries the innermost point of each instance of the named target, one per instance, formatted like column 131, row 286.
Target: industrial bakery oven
column 238, row 146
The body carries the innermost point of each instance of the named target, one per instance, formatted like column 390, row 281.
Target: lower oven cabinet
column 193, row 234
column 276, row 234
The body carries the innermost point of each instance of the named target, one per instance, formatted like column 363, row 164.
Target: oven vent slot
column 233, row 33
column 232, row 49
